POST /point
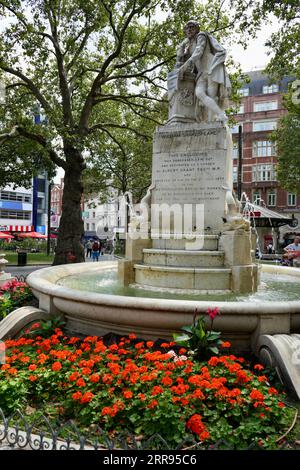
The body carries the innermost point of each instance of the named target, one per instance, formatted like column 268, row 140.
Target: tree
column 285, row 43
column 74, row 59
column 285, row 48
column 287, row 138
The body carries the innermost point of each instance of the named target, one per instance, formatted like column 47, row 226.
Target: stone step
column 208, row 242
column 183, row 258
column 183, row 277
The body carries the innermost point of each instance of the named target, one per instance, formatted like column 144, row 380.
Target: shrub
column 13, row 294
column 130, row 385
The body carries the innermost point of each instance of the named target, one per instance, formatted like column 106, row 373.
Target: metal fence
column 17, row 432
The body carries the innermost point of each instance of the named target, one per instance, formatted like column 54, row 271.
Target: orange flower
column 95, row 378
column 56, row 366
column 25, row 359
column 256, row 395
column 258, row 367
column 32, row 367
column 152, row 404
column 213, row 361
column 86, row 371
column 74, row 376
column 225, row 344
column 32, row 378
column 132, row 336
column 195, row 424
column 77, row 396
column 281, row 405
column 87, row 397
column 149, row 344
column 139, row 345
column 156, row 390
column 127, row 394
column 166, row 381
column 272, row 391
column 141, row 396
column 80, row 383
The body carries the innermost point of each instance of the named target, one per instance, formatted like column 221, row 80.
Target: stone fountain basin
column 90, row 313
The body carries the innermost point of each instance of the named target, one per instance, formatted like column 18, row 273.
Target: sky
column 255, row 56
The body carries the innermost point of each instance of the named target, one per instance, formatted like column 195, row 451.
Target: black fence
column 17, row 432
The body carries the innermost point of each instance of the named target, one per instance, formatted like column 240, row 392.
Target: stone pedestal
column 191, row 166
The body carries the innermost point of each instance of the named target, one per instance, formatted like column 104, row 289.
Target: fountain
column 188, row 244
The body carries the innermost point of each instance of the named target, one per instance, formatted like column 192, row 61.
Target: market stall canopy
column 32, row 235
column 263, row 217
column 5, row 236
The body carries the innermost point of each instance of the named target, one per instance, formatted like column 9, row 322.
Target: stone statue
column 234, row 219
column 201, row 56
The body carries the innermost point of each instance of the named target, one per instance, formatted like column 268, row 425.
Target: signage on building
column 4, row 228
column 40, row 229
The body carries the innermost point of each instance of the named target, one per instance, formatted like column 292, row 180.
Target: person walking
column 95, row 251
column 89, row 248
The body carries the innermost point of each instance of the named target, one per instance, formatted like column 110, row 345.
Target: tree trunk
column 69, row 248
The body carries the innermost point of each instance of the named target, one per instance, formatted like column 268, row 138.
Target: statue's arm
column 180, row 52
column 197, row 54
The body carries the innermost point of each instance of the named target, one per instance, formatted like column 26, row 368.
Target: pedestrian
column 89, row 248
column 95, row 251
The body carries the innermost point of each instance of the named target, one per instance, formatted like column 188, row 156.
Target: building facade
column 25, row 210
column 261, row 108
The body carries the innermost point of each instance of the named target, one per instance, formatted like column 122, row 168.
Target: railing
column 16, row 431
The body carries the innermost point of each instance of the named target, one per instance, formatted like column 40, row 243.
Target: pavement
column 25, row 270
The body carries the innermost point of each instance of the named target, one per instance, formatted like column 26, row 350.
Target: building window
column 256, row 196
column 94, row 215
column 14, row 196
column 241, row 109
column 270, row 88
column 291, row 199
column 93, row 226
column 264, row 148
column 264, row 126
column 235, row 150
column 234, row 174
column 263, row 173
column 19, row 215
column 244, row 92
column 41, row 184
column 88, row 226
column 265, row 106
column 272, row 197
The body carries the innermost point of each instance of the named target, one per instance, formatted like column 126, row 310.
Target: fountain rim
column 44, row 281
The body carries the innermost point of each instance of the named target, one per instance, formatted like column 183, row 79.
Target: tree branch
column 88, row 105
column 34, row 89
column 117, row 126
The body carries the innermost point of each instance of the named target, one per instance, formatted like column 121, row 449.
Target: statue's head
column 191, row 28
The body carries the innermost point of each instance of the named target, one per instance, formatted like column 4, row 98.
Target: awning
column 263, row 217
column 18, row 228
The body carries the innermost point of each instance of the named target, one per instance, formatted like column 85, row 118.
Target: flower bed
column 13, row 294
column 130, row 385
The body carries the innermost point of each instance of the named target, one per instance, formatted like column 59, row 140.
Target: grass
column 32, row 258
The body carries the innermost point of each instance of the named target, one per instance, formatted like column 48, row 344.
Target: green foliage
column 288, row 144
column 130, row 385
column 202, row 343
column 45, row 328
column 13, row 294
